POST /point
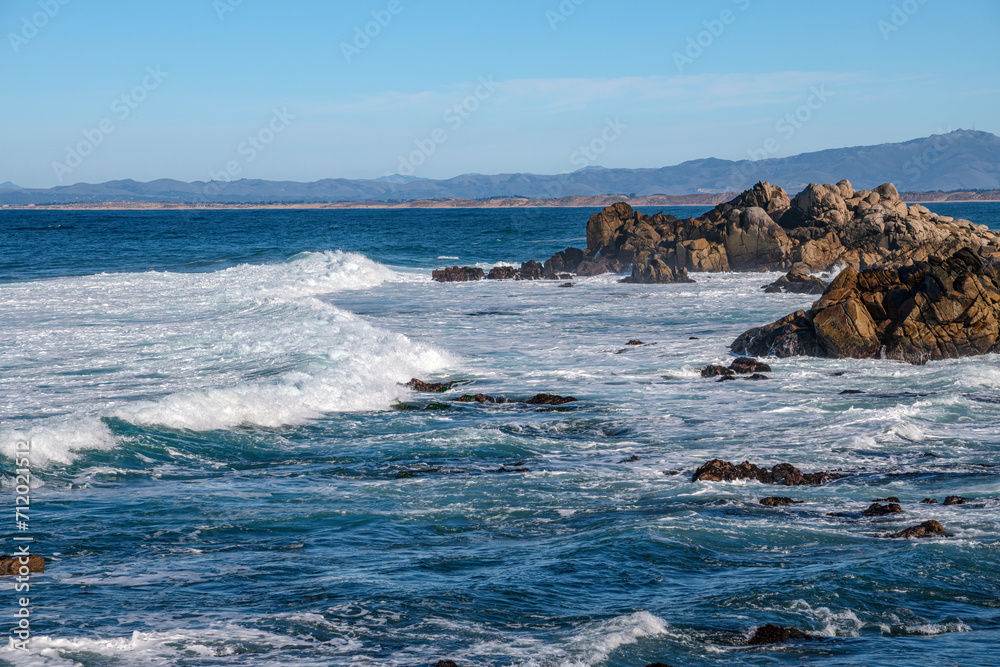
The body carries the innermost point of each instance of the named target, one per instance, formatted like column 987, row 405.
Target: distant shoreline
column 602, row 201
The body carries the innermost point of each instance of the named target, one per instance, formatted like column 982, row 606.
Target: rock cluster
column 775, row 634
column 926, row 529
column 785, row 474
column 934, row 309
column 764, row 229
column 741, row 366
column 457, row 274
column 796, row 282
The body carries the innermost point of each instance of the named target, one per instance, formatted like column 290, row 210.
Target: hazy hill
column 961, row 160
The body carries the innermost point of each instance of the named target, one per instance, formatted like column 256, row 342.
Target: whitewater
column 229, row 469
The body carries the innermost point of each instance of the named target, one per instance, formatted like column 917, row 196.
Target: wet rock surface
column 457, row 274
column 775, row 634
column 926, row 529
column 784, row 474
column 779, row 501
column 796, row 282
column 938, row 309
column 429, row 387
column 877, row 509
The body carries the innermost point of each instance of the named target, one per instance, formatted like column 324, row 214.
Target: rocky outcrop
column 937, row 309
column 926, row 529
column 796, row 282
column 457, row 274
column 550, row 399
column 775, row 634
column 779, row 501
column 764, row 229
column 783, row 474
column 429, row 387
column 877, row 509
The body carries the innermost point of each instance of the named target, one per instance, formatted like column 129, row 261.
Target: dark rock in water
column 428, row 387
column 851, row 391
column 631, row 459
column 480, row 398
column 890, row 499
column 796, row 282
column 756, row 376
column 715, row 371
column 657, row 664
column 11, row 565
column 955, row 500
column 694, row 338
column 926, row 529
column 881, row 510
column 549, row 399
column 567, row 261
column 502, row 273
column 634, row 342
column 784, row 474
column 929, row 501
column 531, row 270
column 437, row 406
column 930, row 455
column 567, row 285
column 779, row 501
column 445, row 663
column 775, row 634
column 457, row 274
column 747, row 365
column 934, row 309
column 503, row 469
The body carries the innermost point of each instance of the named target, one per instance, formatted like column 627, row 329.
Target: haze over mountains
column 960, row 160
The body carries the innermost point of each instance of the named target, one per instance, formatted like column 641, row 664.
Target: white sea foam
column 250, row 345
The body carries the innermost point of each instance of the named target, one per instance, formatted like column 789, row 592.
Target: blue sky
column 262, row 89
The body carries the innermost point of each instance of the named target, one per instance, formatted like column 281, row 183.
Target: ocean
column 227, row 470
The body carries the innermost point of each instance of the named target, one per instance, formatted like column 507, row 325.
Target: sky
column 97, row 90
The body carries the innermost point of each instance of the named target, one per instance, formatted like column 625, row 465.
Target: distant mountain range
column 960, row 160
column 9, row 186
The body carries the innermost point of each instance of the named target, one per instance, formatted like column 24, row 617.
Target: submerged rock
column 881, row 510
column 796, row 282
column 775, row 634
column 549, row 399
column 926, row 529
column 445, row 663
column 779, row 501
column 480, row 398
column 785, row 474
column 11, row 565
column 938, row 309
column 634, row 342
column 747, row 365
column 929, row 501
column 715, row 371
column 457, row 274
column 955, row 500
column 429, row 387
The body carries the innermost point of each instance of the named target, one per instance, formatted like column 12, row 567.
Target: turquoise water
column 221, row 478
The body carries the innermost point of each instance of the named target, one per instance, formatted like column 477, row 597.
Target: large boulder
column 930, row 310
column 754, row 241
column 603, row 227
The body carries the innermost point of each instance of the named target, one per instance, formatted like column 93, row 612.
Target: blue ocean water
column 223, row 473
